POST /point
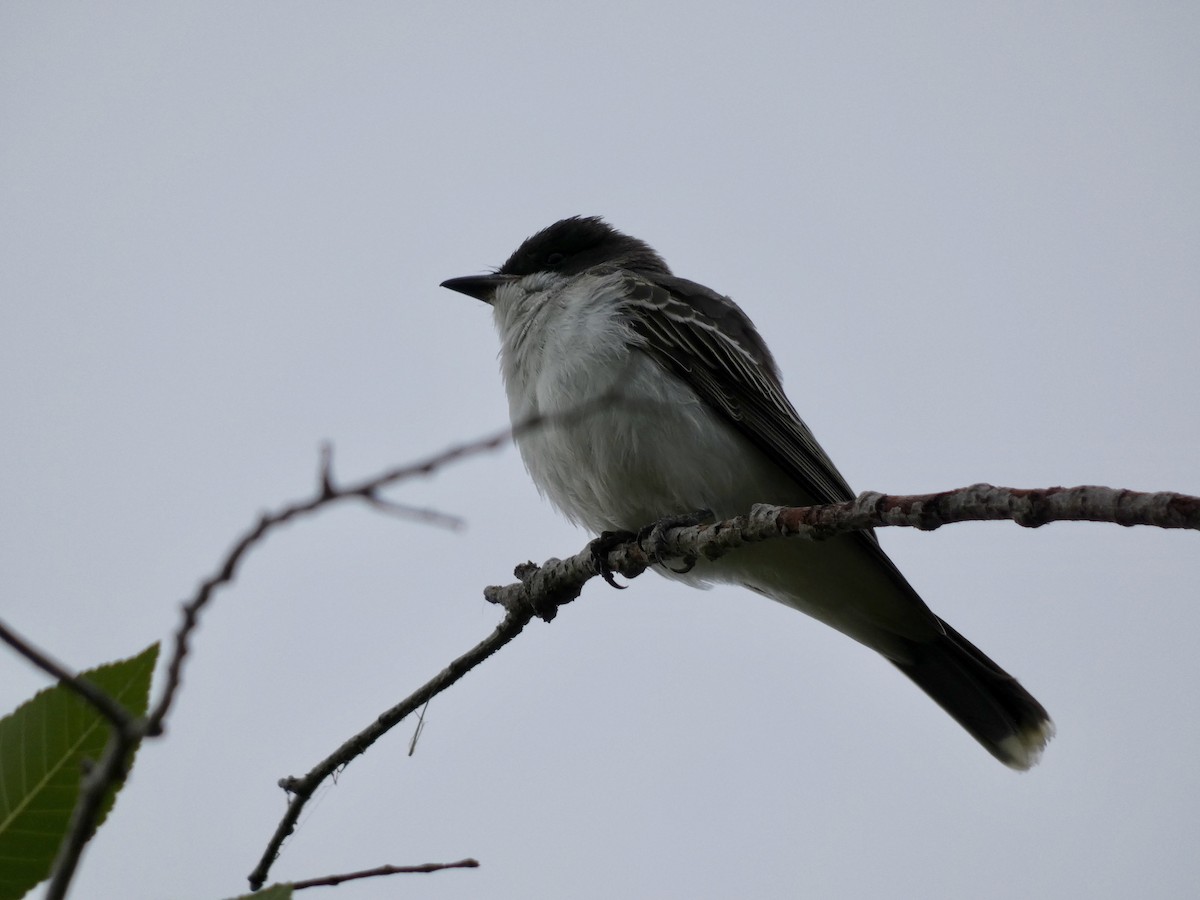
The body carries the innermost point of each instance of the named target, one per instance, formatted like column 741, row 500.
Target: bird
column 701, row 426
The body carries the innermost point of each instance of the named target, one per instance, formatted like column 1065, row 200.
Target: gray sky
column 968, row 231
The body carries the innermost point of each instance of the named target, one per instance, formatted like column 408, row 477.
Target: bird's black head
column 572, row 245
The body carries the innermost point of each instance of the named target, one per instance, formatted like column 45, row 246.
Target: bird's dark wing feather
column 708, row 342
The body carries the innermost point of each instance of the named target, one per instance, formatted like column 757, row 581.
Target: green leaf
column 43, row 746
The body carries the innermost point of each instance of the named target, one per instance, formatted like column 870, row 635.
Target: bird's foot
column 600, row 549
column 653, row 538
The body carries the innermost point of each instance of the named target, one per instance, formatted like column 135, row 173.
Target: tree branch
column 126, row 731
column 108, row 771
column 541, row 587
column 541, row 590
column 301, row 789
column 329, row 492
column 333, row 880
column 116, row 714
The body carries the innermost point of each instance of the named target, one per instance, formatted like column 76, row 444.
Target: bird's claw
column 600, row 549
column 653, row 538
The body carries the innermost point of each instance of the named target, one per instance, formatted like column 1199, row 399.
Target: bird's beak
column 481, row 287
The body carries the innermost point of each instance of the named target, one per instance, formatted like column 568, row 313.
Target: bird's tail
column 982, row 697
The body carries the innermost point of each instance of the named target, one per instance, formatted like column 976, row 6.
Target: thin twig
column 412, row 745
column 108, row 771
column 301, row 789
column 333, row 880
column 116, row 714
column 330, row 492
column 423, row 515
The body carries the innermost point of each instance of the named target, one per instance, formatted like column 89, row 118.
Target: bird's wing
column 705, row 340
column 708, row 342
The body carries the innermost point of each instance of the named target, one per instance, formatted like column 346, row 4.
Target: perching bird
column 703, row 424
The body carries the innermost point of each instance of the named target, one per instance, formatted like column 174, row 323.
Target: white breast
column 654, row 450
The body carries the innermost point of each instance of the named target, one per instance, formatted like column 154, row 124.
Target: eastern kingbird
column 584, row 311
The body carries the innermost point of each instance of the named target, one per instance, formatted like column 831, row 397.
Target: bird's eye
column 555, row 258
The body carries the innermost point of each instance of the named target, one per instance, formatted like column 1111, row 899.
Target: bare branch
column 116, row 714
column 1030, row 508
column 302, row 789
column 327, row 493
column 412, row 744
column 332, row 880
column 124, row 733
column 108, row 771
column 420, row 514
column 543, row 588
column 127, row 731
